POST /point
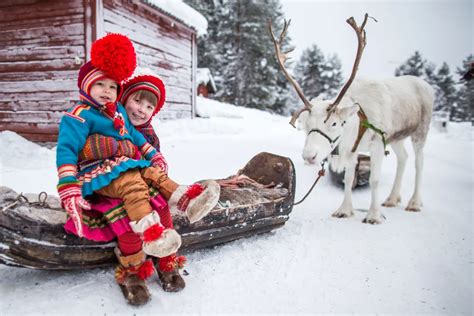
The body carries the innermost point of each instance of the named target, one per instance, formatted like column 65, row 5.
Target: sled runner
column 256, row 200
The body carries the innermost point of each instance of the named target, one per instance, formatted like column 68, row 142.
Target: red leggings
column 130, row 243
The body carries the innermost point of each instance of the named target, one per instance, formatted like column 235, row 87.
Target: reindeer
column 365, row 116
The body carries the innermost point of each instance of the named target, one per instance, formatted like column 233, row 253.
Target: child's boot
column 168, row 273
column 196, row 200
column 158, row 241
column 131, row 274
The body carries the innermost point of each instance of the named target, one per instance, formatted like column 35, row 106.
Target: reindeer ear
column 300, row 123
column 347, row 112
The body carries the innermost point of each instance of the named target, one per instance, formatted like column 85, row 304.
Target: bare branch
column 281, row 58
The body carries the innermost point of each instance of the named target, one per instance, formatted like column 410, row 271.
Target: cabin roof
column 181, row 12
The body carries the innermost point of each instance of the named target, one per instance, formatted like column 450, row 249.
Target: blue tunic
column 76, row 125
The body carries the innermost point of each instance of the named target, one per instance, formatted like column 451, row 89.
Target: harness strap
column 362, row 128
column 317, row 130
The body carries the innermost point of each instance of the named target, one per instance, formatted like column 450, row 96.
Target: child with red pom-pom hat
column 113, row 166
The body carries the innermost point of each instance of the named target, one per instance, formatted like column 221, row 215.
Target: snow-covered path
column 413, row 263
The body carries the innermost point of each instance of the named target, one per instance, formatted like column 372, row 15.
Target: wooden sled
column 32, row 234
column 361, row 176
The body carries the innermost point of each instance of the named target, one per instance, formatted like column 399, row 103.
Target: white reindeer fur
column 400, row 106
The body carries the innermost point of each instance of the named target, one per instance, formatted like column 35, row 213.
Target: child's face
column 139, row 111
column 104, row 91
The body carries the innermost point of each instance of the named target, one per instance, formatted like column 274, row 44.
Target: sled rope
column 42, row 197
column 240, row 180
column 321, row 173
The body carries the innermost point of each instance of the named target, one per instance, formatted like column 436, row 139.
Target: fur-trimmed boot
column 158, row 241
column 195, row 200
column 168, row 272
column 131, row 274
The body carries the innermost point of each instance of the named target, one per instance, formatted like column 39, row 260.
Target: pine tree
column 446, row 91
column 464, row 110
column 415, row 66
column 317, row 74
column 239, row 52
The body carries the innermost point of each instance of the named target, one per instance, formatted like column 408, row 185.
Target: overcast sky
column 442, row 30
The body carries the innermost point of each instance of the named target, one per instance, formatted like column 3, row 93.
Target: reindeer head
column 324, row 122
column 323, row 135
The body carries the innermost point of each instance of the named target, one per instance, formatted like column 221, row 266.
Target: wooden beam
column 93, row 23
column 193, row 74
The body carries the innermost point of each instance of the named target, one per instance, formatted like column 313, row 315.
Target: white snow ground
column 414, row 263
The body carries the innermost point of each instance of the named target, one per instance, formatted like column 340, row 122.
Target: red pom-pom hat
column 112, row 56
column 145, row 82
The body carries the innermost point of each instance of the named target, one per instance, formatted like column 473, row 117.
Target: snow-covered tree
column 239, row 52
column 317, row 74
column 415, row 66
column 464, row 110
column 445, row 89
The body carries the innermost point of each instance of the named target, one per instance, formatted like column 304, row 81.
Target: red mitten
column 159, row 161
column 74, row 206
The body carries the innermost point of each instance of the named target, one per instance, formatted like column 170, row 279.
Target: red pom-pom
column 194, row 190
column 146, row 270
column 171, row 262
column 118, row 123
column 167, row 264
column 153, row 232
column 181, row 261
column 115, row 56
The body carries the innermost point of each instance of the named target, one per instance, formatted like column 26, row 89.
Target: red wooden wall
column 44, row 42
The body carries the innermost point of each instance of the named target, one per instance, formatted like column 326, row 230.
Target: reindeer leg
column 346, row 209
column 394, row 198
column 415, row 203
column 376, row 155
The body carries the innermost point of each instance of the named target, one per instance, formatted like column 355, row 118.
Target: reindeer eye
column 333, row 124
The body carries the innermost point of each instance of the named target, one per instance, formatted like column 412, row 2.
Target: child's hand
column 159, row 161
column 74, row 206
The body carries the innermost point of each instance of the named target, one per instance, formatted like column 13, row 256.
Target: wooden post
column 193, row 74
column 93, row 24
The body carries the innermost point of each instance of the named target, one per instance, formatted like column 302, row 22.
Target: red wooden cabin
column 44, row 42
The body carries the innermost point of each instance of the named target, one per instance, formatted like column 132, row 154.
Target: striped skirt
column 108, row 218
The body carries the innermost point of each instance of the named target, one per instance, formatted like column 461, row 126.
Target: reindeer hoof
column 412, row 209
column 373, row 220
column 339, row 214
column 391, row 202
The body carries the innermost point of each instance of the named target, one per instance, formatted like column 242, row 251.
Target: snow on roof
column 183, row 12
column 204, row 76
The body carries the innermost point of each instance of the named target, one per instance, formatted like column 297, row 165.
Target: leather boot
column 131, row 274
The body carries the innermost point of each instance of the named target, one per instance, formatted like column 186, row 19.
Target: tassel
column 146, row 270
column 153, row 232
column 181, row 261
column 169, row 263
column 118, row 122
column 194, row 190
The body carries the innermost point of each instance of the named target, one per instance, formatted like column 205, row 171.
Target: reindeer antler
column 282, row 57
column 360, row 31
